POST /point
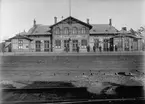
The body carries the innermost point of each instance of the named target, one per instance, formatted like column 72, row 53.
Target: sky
column 18, row 15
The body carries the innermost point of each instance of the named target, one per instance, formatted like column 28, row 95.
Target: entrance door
column 106, row 42
column 96, row 44
column 74, row 45
column 46, row 45
column 111, row 44
column 66, row 46
column 38, row 46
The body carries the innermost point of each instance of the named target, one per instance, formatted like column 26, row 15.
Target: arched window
column 75, row 30
column 83, row 30
column 57, row 31
column 66, row 30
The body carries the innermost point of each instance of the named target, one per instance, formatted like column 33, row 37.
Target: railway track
column 64, row 95
column 83, row 101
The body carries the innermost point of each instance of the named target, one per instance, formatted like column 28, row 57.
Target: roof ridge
column 34, row 29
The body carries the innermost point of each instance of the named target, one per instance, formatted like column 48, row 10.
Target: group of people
column 94, row 48
column 88, row 48
column 66, row 48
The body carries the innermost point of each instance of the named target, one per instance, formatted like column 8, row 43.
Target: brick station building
column 73, row 35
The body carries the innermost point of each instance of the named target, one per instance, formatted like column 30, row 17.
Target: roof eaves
column 103, row 33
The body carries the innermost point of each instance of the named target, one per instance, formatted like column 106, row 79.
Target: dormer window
column 66, row 30
column 75, row 30
column 57, row 31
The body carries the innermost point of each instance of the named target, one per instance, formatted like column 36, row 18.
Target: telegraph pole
column 69, row 7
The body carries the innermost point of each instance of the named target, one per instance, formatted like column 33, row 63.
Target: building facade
column 70, row 35
column 73, row 35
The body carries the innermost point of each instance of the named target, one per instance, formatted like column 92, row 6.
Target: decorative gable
column 71, row 20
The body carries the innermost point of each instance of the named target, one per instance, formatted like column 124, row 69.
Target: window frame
column 84, row 43
column 57, row 31
column 66, row 31
column 20, row 44
column 46, row 45
column 20, row 41
column 57, row 43
column 83, row 30
column 75, row 30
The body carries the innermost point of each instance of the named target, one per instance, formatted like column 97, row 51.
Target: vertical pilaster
column 130, row 44
column 71, row 44
column 42, row 45
column 123, row 46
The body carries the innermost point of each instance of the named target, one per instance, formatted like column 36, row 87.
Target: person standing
column 100, row 48
column 115, row 47
column 94, row 48
column 78, row 48
column 88, row 48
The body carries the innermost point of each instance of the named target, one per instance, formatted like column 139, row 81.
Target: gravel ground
column 99, row 74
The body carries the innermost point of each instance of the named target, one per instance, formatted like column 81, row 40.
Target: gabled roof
column 20, row 37
column 9, row 44
column 72, row 18
column 124, row 32
column 39, row 30
column 103, row 28
column 132, row 32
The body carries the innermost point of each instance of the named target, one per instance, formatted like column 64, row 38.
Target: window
column 83, row 30
column 66, row 30
column 20, row 41
column 75, row 30
column 58, row 43
column 84, row 43
column 20, row 47
column 20, row 44
column 57, row 31
column 126, row 44
column 38, row 46
column 46, row 45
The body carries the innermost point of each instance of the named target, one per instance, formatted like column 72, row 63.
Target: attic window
column 94, row 30
column 66, row 30
column 75, row 30
column 36, row 31
column 83, row 30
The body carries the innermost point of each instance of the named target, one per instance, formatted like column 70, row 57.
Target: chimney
column 34, row 22
column 88, row 21
column 110, row 22
column 55, row 20
column 124, row 28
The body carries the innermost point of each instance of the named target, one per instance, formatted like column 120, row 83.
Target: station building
column 73, row 35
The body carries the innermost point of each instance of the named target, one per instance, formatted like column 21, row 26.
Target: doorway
column 46, row 46
column 38, row 46
column 74, row 45
column 66, row 46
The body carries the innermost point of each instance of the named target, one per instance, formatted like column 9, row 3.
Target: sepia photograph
column 72, row 51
